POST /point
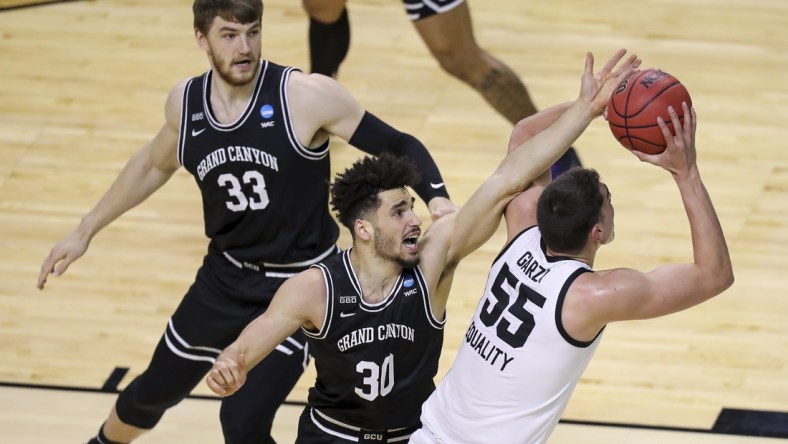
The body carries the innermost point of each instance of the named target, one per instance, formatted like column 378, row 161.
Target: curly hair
column 240, row 11
column 354, row 193
column 568, row 208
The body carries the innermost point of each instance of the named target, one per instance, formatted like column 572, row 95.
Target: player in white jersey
column 543, row 310
column 509, row 342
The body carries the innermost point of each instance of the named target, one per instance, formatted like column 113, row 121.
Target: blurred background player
column 446, row 28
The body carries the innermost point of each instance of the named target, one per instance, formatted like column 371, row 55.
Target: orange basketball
column 637, row 102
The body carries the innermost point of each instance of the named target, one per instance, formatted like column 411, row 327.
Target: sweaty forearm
column 375, row 137
column 710, row 249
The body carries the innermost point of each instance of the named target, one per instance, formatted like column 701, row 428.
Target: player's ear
column 363, row 229
column 202, row 39
column 597, row 232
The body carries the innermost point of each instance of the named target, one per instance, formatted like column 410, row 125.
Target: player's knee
column 133, row 411
column 246, row 426
column 464, row 66
column 143, row 407
column 324, row 11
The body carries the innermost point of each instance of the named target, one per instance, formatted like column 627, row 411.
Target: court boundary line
column 115, row 391
column 34, row 4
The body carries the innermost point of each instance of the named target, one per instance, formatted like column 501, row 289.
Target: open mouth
column 244, row 64
column 412, row 240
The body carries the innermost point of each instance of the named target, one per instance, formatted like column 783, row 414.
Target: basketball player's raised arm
column 300, row 301
column 321, row 106
column 630, row 294
column 521, row 211
column 147, row 170
column 480, row 216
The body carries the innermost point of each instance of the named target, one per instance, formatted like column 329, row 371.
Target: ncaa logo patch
column 267, row 111
column 408, row 281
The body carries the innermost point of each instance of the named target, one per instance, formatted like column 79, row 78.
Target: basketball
column 637, row 102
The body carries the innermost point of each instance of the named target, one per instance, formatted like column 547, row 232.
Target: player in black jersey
column 446, row 28
column 255, row 136
column 373, row 315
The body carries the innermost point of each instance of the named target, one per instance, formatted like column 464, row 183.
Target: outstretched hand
column 597, row 88
column 228, row 373
column 680, row 154
column 71, row 248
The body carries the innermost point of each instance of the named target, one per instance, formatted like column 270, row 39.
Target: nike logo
column 437, row 185
column 346, row 315
column 196, row 133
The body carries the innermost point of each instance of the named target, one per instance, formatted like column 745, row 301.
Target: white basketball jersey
column 516, row 367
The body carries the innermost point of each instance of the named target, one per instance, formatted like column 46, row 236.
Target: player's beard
column 387, row 248
column 225, row 71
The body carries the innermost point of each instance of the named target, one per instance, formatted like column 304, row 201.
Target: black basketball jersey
column 375, row 363
column 264, row 194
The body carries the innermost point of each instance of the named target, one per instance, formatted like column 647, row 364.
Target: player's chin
column 409, row 260
column 242, row 77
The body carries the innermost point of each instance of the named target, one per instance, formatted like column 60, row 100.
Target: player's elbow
column 503, row 188
column 725, row 276
column 720, row 280
column 726, row 279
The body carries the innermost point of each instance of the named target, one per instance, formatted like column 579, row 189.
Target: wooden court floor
column 83, row 86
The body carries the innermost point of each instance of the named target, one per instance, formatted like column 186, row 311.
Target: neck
column 375, row 274
column 585, row 256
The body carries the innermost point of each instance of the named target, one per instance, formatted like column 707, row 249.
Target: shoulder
column 300, row 81
column 310, row 279
column 177, row 91
column 304, row 296
column 584, row 309
column 598, row 285
column 302, row 86
column 318, row 103
column 174, row 103
column 607, row 295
